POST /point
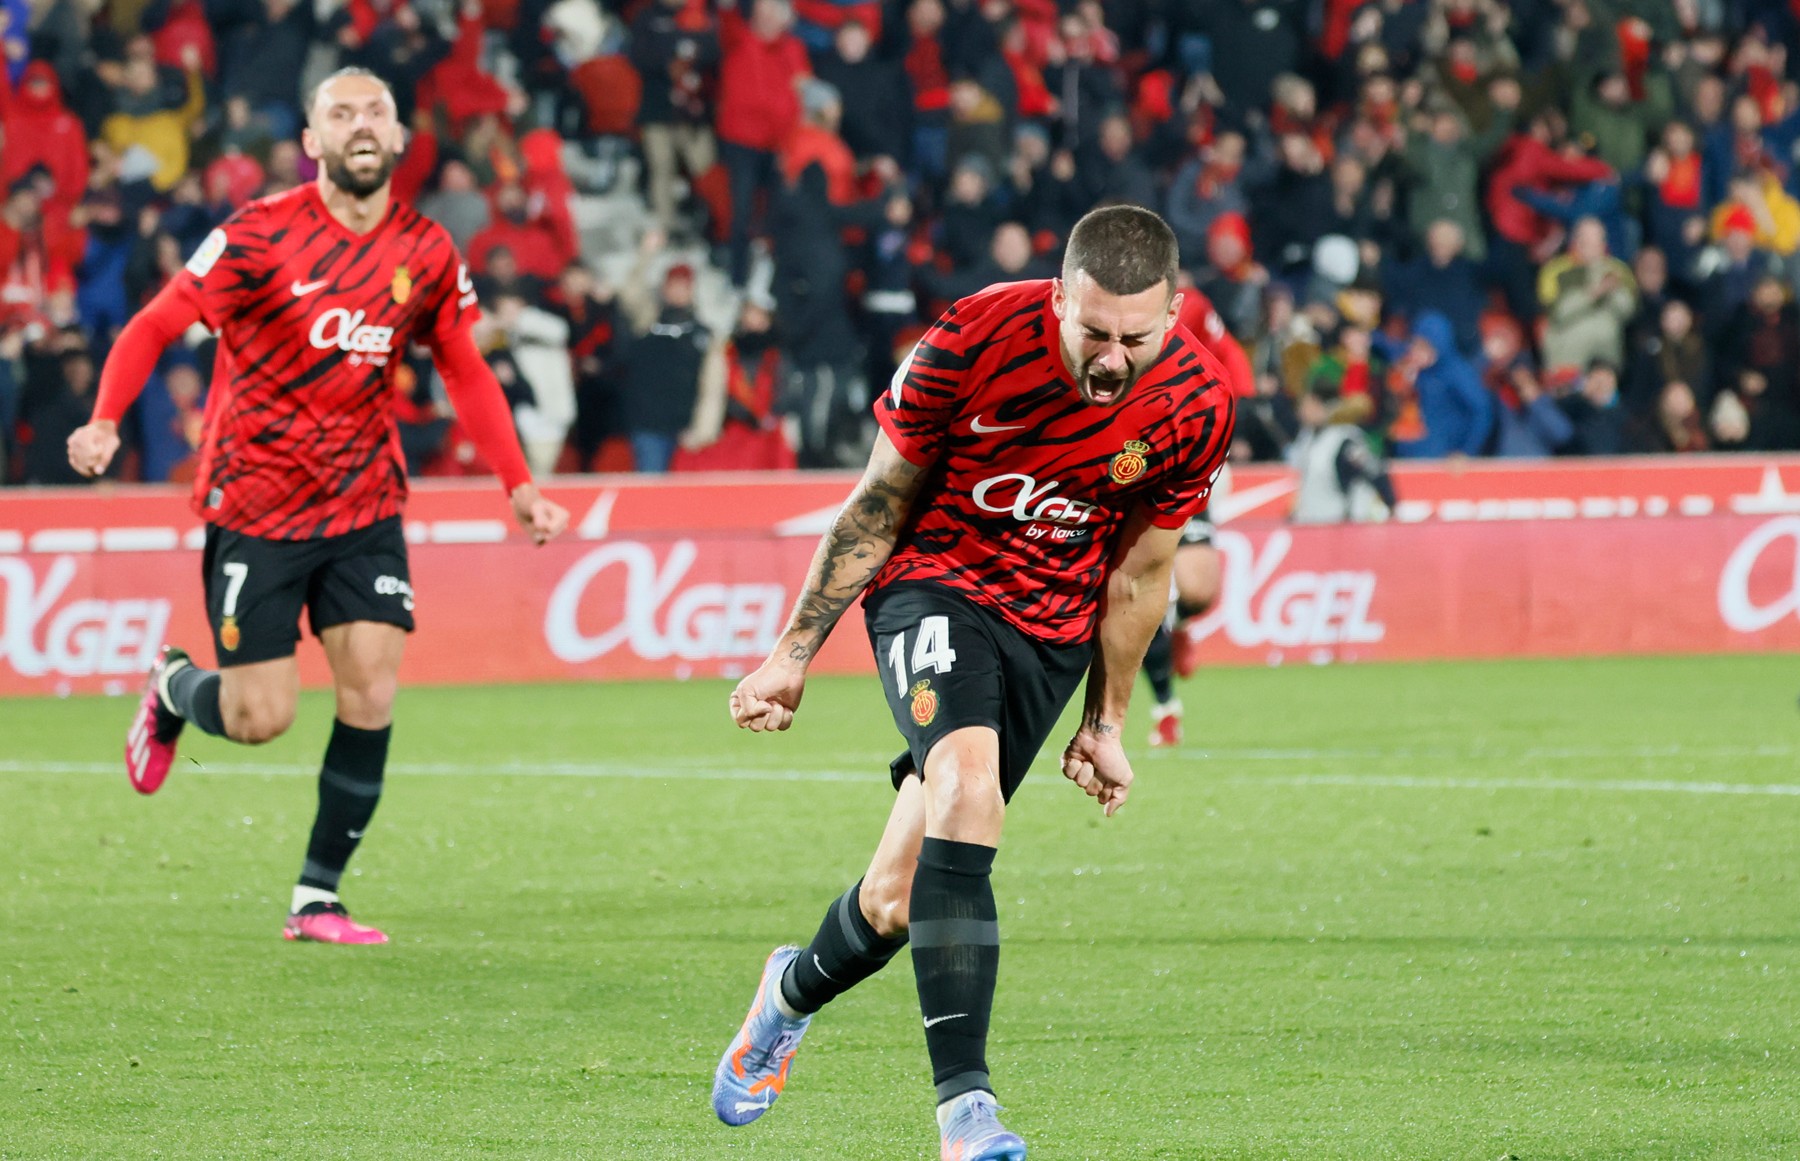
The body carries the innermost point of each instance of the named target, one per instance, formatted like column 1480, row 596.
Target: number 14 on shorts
column 931, row 651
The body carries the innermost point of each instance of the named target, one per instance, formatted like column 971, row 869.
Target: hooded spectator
column 41, row 131
column 1440, row 406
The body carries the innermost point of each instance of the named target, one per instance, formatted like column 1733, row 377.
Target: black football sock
column 1159, row 666
column 349, row 788
column 956, row 958
column 193, row 693
column 845, row 952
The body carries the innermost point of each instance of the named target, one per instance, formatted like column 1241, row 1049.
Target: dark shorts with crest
column 256, row 588
column 947, row 663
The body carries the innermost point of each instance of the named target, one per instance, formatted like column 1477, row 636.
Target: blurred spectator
column 152, row 126
column 531, row 239
column 458, row 206
column 539, row 342
column 736, row 423
column 1207, row 186
column 1528, row 423
column 1441, row 279
column 877, row 101
column 1442, row 167
column 1763, row 338
column 1678, row 425
column 1291, row 210
column 58, row 398
column 1602, row 427
column 1440, row 407
column 1588, row 296
column 263, row 46
column 169, row 419
column 588, row 313
column 39, row 131
column 1341, row 478
column 675, row 48
column 759, row 80
column 1233, row 279
column 660, row 368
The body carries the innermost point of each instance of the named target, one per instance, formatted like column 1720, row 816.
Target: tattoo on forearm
column 1094, row 723
column 859, row 543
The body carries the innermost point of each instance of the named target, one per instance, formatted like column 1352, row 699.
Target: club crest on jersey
column 924, row 704
column 403, row 285
column 229, row 635
column 1129, row 464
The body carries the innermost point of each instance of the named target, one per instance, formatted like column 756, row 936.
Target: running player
column 316, row 294
column 1041, row 450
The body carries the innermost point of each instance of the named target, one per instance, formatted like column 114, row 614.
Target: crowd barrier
column 693, row 576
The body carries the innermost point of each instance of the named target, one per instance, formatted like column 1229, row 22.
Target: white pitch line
column 1614, row 786
column 751, row 774
column 1477, row 754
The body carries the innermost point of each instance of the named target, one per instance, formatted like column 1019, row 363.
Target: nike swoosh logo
column 355, row 833
column 979, row 428
column 822, row 970
column 936, row 1020
column 746, row 1106
column 302, row 289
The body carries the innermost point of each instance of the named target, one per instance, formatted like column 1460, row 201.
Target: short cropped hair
column 312, row 97
column 1124, row 249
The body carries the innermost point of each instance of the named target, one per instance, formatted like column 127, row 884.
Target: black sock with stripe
column 846, row 951
column 193, row 693
column 1159, row 666
column 955, row 933
column 349, row 788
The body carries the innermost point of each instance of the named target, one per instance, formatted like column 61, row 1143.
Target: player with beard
column 1041, row 450
column 315, row 294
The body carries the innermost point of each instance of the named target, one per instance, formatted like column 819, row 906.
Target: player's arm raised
column 93, row 445
column 1131, row 607
column 860, row 540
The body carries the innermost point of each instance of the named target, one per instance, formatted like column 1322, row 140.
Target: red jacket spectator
column 1527, row 161
column 757, row 102
column 40, row 130
column 531, row 238
column 458, row 84
column 811, row 143
column 548, row 190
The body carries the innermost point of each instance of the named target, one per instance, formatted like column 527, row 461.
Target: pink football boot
column 150, row 742
column 328, row 923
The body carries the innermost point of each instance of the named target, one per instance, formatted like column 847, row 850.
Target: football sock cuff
column 846, row 951
column 194, row 695
column 1159, row 666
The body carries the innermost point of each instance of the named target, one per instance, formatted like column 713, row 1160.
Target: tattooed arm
column 1131, row 607
column 860, row 541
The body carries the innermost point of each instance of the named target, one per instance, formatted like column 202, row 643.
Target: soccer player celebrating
column 1041, row 450
column 316, row 294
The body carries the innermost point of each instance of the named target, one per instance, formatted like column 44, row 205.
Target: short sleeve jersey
column 313, row 321
column 1030, row 484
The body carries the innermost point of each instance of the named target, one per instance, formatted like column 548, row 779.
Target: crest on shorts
column 402, row 285
column 229, row 635
column 1129, row 464
column 924, row 704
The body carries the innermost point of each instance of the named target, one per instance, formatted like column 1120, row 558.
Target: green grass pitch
column 1535, row 909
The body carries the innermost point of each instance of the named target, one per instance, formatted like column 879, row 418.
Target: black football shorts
column 256, row 588
column 947, row 663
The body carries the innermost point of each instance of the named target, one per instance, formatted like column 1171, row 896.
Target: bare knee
column 964, row 802
column 886, row 896
column 368, row 704
column 255, row 721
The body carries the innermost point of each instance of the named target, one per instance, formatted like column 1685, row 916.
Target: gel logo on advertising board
column 83, row 638
column 1738, row 607
column 658, row 616
column 1257, row 607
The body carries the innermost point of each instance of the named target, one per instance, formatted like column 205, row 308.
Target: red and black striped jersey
column 313, row 321
column 1030, row 484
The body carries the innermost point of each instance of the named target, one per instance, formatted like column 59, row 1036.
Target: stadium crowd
column 1470, row 227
